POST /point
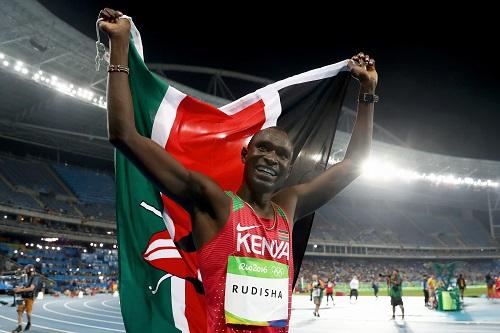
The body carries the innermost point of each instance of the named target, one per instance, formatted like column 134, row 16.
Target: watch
column 368, row 98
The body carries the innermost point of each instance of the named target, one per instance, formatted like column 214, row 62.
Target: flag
column 160, row 285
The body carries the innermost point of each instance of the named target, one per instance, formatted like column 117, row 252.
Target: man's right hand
column 111, row 23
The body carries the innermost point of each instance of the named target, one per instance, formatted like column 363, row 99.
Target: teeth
column 267, row 170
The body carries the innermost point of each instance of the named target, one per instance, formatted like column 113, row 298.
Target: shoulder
column 286, row 199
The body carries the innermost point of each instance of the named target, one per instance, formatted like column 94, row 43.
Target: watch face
column 369, row 98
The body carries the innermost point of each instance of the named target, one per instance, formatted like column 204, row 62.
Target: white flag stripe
column 178, row 292
column 272, row 108
column 163, row 254
column 312, row 75
column 151, row 209
column 136, row 36
column 169, row 223
column 240, row 104
column 165, row 116
column 160, row 243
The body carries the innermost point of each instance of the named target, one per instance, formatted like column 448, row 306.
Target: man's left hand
column 363, row 69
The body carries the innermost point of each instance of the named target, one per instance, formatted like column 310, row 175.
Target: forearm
column 324, row 187
column 359, row 146
column 160, row 167
column 121, row 124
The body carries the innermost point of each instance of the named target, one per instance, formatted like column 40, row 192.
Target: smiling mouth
column 267, row 171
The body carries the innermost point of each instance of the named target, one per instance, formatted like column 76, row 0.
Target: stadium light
column 385, row 171
column 5, row 217
column 58, row 248
column 15, row 251
column 31, row 244
column 37, row 259
column 21, row 253
column 101, row 245
column 50, row 239
column 53, row 82
column 27, row 244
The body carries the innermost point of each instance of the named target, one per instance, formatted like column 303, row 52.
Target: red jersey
column 246, row 238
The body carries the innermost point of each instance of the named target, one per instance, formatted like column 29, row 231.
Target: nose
column 271, row 158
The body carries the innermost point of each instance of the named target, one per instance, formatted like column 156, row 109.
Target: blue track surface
column 101, row 313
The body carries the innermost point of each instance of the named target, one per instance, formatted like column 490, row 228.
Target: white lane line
column 40, row 326
column 66, row 305
column 80, row 317
column 85, row 304
column 77, row 324
column 109, row 306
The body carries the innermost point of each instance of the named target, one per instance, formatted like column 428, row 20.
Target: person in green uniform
column 395, row 284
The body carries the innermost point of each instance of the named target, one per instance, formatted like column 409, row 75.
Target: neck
column 260, row 202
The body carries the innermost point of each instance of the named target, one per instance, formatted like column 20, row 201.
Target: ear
column 244, row 153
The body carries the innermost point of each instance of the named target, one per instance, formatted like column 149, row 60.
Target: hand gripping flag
column 160, row 286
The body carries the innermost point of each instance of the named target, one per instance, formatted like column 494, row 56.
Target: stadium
column 411, row 210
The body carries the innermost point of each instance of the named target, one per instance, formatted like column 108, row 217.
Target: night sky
column 439, row 75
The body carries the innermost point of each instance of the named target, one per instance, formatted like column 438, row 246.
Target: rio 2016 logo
column 278, row 271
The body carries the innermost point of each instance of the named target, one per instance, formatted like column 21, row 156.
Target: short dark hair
column 272, row 128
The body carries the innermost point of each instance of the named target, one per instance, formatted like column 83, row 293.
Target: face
column 267, row 160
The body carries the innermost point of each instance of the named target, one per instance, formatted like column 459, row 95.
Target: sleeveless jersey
column 244, row 236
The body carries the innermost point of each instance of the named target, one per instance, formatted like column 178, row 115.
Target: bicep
column 186, row 187
column 320, row 190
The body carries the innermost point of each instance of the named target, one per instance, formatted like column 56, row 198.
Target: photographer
column 395, row 284
column 28, row 294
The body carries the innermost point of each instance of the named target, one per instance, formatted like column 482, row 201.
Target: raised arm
column 306, row 198
column 192, row 190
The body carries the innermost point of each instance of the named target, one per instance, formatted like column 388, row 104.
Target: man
column 354, row 285
column 425, row 288
column 490, row 285
column 461, row 286
column 28, row 294
column 396, row 293
column 330, row 285
column 317, row 287
column 242, row 239
column 375, row 286
column 497, row 286
column 431, row 286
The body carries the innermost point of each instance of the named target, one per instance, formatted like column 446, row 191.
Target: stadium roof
column 32, row 39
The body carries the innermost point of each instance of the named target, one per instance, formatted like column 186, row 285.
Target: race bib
column 256, row 292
